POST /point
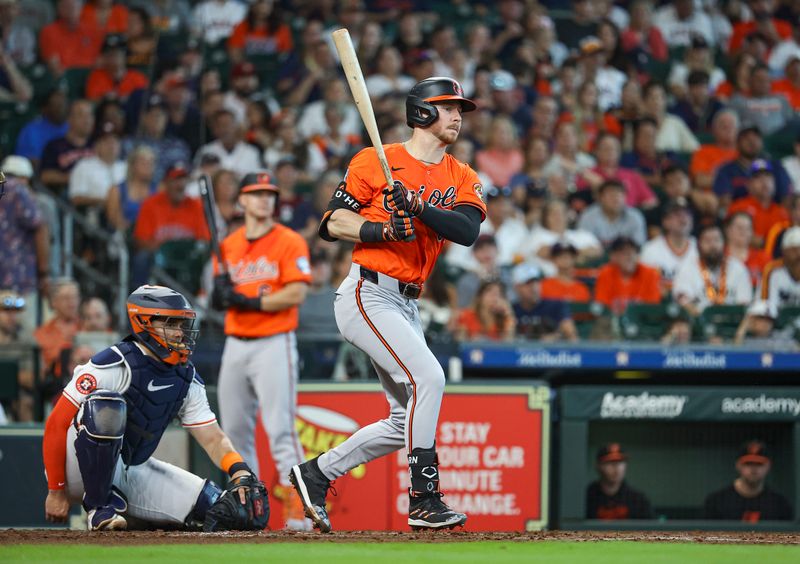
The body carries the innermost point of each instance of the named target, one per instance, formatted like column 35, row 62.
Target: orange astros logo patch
column 86, row 384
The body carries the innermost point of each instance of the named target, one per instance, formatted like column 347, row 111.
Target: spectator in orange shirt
column 113, row 77
column 262, row 32
column 759, row 202
column 67, row 43
column 704, row 164
column 775, row 236
column 490, row 316
column 57, row 335
column 789, row 86
column 625, row 280
column 105, row 15
column 773, row 29
column 738, row 243
column 564, row 286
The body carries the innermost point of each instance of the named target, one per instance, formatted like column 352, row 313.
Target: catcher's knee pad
column 208, row 496
column 101, row 427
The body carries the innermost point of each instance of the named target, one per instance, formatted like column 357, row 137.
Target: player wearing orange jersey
column 399, row 232
column 265, row 279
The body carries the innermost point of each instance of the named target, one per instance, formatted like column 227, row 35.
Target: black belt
column 246, row 338
column 408, row 290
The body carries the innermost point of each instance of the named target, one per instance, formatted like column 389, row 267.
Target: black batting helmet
column 256, row 181
column 420, row 104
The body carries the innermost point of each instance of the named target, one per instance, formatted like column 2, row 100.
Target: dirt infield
column 61, row 536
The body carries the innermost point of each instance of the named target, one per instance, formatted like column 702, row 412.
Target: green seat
column 720, row 321
column 184, row 260
column 42, row 81
column 647, row 322
column 74, row 80
column 13, row 117
column 789, row 316
column 584, row 315
column 9, row 379
column 781, row 143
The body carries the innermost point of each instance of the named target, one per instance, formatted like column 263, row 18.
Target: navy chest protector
column 154, row 398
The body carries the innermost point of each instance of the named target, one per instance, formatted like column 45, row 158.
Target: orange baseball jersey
column 445, row 185
column 264, row 266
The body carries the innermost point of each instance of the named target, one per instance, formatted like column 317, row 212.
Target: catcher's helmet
column 420, row 108
column 148, row 303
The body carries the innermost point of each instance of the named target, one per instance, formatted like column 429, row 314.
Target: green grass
column 555, row 552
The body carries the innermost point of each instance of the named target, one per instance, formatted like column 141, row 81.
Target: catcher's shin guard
column 426, row 509
column 98, row 444
column 208, row 497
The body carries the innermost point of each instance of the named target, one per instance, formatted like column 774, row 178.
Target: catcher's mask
column 163, row 321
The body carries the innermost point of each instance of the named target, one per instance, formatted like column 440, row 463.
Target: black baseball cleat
column 312, row 487
column 428, row 511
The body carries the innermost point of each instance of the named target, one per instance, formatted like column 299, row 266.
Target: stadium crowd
column 640, row 159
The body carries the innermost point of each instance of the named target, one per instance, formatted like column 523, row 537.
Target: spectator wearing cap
column 215, row 20
column 484, row 266
column 698, row 107
column 757, row 330
column 112, row 77
column 608, row 153
column 502, row 157
column 61, row 154
column 234, row 153
column 312, row 119
column 762, row 22
column 712, row 279
column 641, row 35
column 12, row 307
column 50, row 124
column 749, row 499
column 170, row 214
column 261, row 32
column 780, row 283
column 625, row 280
column 680, row 21
column 93, row 176
column 784, row 51
column 698, row 59
column 760, row 107
column 555, row 229
column 508, row 101
column 645, row 157
column 610, row 217
column 152, row 132
column 539, row 319
column 673, row 134
column 582, row 22
column 125, row 199
column 730, row 181
column 791, row 163
column 789, row 85
column 594, row 68
column 710, row 156
column 68, row 43
column 563, row 285
column 739, row 244
column 610, row 497
column 759, row 203
column 490, row 316
column 675, row 246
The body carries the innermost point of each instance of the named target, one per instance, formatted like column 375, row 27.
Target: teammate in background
column 99, row 439
column 611, row 497
column 748, row 498
column 399, row 232
column 266, row 277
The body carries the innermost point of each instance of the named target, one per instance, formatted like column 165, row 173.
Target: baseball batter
column 399, row 232
column 267, row 273
column 99, row 439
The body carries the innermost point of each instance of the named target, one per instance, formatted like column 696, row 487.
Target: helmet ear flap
column 415, row 107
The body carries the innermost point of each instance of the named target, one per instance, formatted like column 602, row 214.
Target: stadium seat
column 184, row 260
column 584, row 315
column 13, row 117
column 781, row 143
column 789, row 317
column 74, row 80
column 719, row 321
column 9, row 383
column 647, row 322
column 41, row 80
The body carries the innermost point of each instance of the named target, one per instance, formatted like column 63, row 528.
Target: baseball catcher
column 100, row 438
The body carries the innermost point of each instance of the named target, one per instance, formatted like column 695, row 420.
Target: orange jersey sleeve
column 54, row 443
column 264, row 266
column 444, row 185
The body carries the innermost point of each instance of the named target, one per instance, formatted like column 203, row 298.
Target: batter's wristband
column 229, row 460
column 238, row 466
column 371, row 232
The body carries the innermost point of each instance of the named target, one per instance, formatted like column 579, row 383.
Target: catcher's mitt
column 229, row 514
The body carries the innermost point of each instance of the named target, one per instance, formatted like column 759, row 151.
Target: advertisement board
column 492, row 442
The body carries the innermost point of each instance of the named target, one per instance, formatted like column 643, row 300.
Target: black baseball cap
column 623, row 242
column 114, row 41
column 155, row 101
column 754, row 452
column 749, row 129
column 616, row 184
column 678, row 204
column 485, row 239
column 697, row 77
column 561, row 248
column 611, row 452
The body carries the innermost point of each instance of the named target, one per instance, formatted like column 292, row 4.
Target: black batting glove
column 240, row 301
column 221, row 294
column 401, row 226
column 399, row 198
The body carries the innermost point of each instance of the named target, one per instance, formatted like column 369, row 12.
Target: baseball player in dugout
column 611, row 497
column 263, row 279
column 399, row 231
column 100, row 438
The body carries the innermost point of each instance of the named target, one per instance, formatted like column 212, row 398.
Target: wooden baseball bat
column 358, row 86
column 207, row 195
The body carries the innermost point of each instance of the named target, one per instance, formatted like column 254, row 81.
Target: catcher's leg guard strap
column 208, row 496
column 98, row 444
